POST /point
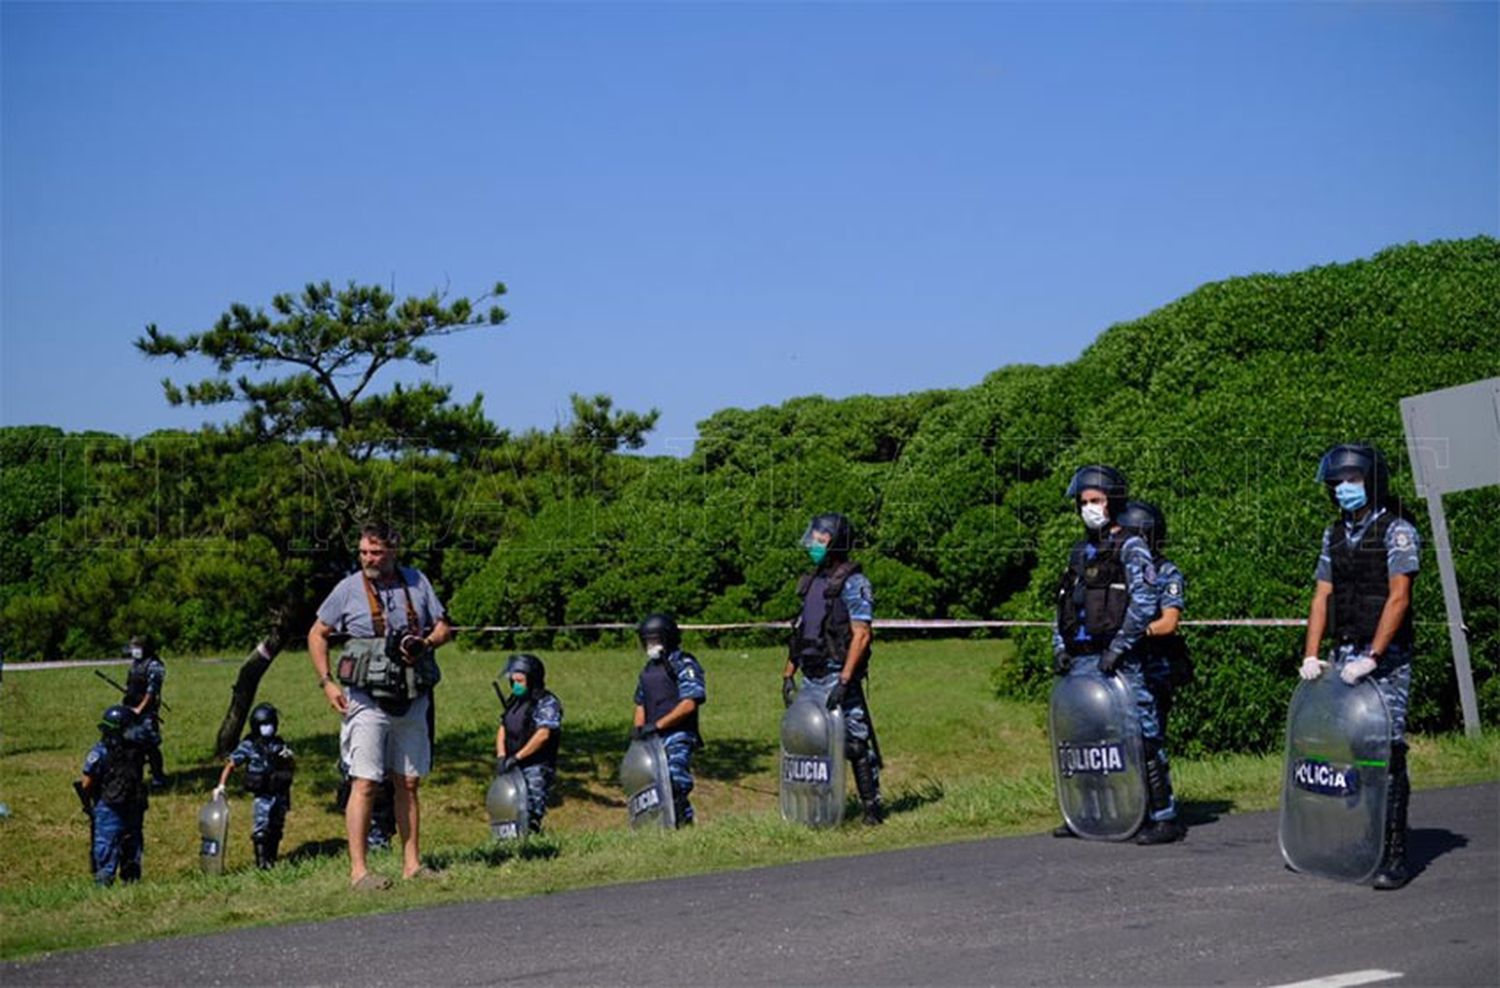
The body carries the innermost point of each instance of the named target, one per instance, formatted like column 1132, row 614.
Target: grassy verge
column 961, row 764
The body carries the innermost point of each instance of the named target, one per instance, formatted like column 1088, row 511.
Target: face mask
column 816, row 552
column 654, row 652
column 517, row 689
column 136, row 652
column 1350, row 495
column 1095, row 516
column 267, row 730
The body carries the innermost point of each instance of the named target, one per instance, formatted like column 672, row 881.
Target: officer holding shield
column 530, row 731
column 392, row 622
column 1362, row 597
column 667, row 697
column 831, row 645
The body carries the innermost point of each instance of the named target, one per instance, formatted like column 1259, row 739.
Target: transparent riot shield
column 213, row 828
column 812, row 760
column 508, row 804
column 1097, row 755
column 1333, row 790
column 648, row 785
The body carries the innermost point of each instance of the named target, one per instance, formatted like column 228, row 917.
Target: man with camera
column 390, row 622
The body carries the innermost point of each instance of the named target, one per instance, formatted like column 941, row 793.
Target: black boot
column 1393, row 873
column 868, row 784
column 682, row 810
column 1159, row 799
column 262, row 861
column 1063, row 830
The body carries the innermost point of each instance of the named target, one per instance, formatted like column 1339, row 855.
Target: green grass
column 961, row 764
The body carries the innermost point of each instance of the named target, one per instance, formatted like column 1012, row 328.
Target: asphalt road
column 1217, row 909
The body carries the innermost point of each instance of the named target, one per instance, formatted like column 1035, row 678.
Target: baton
column 101, row 675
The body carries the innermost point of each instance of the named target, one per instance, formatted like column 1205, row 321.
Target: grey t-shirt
column 346, row 609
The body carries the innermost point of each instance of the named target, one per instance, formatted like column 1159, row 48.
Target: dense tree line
column 1216, row 406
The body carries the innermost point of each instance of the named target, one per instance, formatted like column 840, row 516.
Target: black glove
column 644, row 732
column 788, row 690
column 1108, row 661
column 836, row 695
column 1062, row 663
column 504, row 764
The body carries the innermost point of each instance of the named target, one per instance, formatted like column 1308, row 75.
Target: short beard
column 374, row 572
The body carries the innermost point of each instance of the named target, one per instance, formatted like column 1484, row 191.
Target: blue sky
column 707, row 205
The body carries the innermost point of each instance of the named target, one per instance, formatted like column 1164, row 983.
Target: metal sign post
column 1453, row 438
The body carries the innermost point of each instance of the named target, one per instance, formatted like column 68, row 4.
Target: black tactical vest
column 267, row 773
column 520, row 726
column 136, row 683
column 659, row 684
column 1361, row 584
column 121, row 780
column 821, row 636
column 1093, row 596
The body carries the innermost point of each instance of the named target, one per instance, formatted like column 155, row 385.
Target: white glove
column 218, row 792
column 1312, row 667
column 1354, row 671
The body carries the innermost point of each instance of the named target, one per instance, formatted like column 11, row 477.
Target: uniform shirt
column 93, row 762
column 1142, row 608
column 1170, row 586
column 1402, row 545
column 156, row 674
column 545, row 712
column 258, row 757
column 859, row 598
column 346, row 609
column 689, row 679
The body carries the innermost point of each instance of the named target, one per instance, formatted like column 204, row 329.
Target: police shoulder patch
column 1174, row 589
column 1402, row 538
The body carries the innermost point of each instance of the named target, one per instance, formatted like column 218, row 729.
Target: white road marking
column 1345, row 980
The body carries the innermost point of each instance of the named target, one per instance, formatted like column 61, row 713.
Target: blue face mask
column 1350, row 495
column 517, row 689
column 816, row 552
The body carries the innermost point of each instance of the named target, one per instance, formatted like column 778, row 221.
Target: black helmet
column 660, row 628
column 840, row 533
column 1098, row 477
column 1145, row 520
column 531, row 667
column 1348, row 458
column 264, row 713
column 116, row 720
column 145, row 643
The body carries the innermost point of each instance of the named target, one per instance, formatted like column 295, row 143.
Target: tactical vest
column 137, row 683
column 1093, row 596
column 121, row 781
column 519, row 727
column 1362, row 584
column 268, row 773
column 659, row 684
column 377, row 666
column 821, row 636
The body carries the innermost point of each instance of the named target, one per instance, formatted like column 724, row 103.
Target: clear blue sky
column 704, row 205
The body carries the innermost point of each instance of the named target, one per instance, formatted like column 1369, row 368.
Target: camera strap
column 377, row 610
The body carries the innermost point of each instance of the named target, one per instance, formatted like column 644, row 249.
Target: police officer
column 831, row 645
column 143, row 696
column 1104, row 604
column 392, row 622
column 269, row 764
column 1161, row 655
column 530, row 731
column 113, row 789
column 668, row 694
column 1362, row 597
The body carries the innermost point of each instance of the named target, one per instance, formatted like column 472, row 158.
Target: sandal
column 423, row 873
column 371, row 882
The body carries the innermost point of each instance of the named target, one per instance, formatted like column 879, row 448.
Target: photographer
column 391, row 621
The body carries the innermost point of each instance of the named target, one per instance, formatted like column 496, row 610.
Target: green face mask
column 517, row 689
column 816, row 552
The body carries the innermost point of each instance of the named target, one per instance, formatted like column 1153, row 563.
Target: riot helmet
column 1101, row 478
column 531, row 667
column 264, row 715
column 660, row 629
column 1147, row 521
column 141, row 647
column 840, row 534
column 116, row 720
column 1343, row 461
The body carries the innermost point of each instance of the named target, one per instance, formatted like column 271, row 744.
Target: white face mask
column 136, row 652
column 654, row 652
column 1095, row 516
column 267, row 730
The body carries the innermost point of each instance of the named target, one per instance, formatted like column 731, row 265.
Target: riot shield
column 509, row 807
column 812, row 760
column 213, row 827
column 1333, row 790
column 1097, row 755
column 647, row 784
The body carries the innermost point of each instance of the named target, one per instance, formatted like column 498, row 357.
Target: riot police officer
column 668, row 694
column 1362, row 597
column 1104, row 603
column 530, row 730
column 143, row 686
column 269, row 764
column 830, row 643
column 113, row 789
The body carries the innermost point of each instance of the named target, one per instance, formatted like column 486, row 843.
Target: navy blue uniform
column 268, row 778
column 663, row 684
column 116, row 770
column 520, row 721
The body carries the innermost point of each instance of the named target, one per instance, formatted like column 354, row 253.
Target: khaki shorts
column 373, row 743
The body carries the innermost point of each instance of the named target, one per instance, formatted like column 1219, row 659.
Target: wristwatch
column 325, row 679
